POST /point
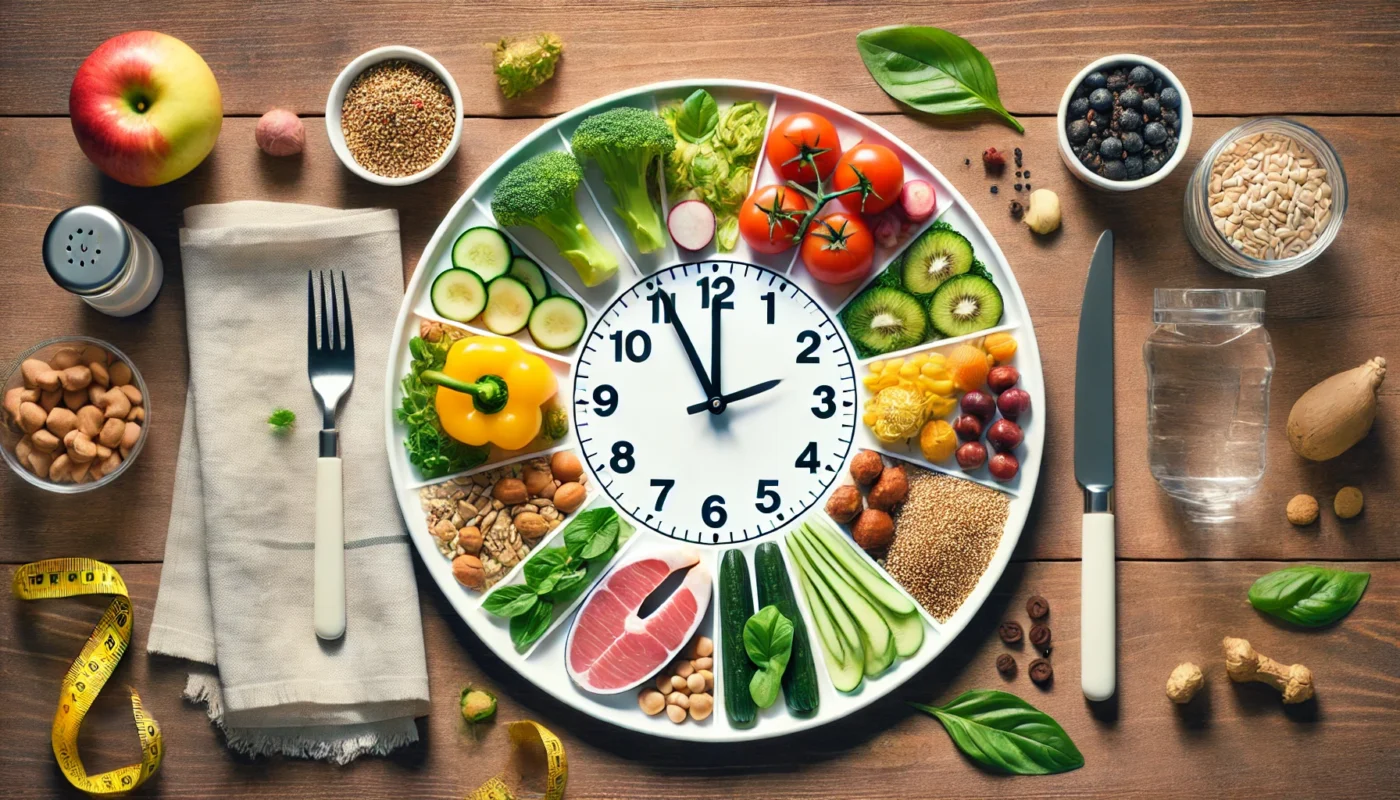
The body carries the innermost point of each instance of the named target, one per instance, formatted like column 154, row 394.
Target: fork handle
column 330, row 550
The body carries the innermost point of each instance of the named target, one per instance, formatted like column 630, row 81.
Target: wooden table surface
column 1331, row 64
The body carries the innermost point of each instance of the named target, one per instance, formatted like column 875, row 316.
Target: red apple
column 145, row 108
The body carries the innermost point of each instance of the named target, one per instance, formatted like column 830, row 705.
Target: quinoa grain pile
column 398, row 118
column 944, row 537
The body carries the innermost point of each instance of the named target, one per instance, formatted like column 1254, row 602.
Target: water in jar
column 1209, row 363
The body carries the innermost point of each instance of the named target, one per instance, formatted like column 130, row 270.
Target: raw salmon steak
column 611, row 648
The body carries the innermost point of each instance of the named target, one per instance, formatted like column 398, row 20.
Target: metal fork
column 331, row 367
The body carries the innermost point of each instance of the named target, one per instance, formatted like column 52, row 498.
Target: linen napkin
column 236, row 587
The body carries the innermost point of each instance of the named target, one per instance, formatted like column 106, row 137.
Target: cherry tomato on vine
column 838, row 248
column 802, row 134
column 769, row 218
column 883, row 173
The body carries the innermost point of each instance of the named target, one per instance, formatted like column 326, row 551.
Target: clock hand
column 725, row 400
column 690, row 353
column 716, row 315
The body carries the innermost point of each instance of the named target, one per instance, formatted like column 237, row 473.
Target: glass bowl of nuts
column 394, row 116
column 1267, row 198
column 76, row 414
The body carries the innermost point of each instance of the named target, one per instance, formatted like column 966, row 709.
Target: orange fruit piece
column 968, row 366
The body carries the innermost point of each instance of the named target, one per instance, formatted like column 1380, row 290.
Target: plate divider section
column 937, row 343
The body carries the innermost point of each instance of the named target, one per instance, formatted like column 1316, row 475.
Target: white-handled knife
column 1093, row 468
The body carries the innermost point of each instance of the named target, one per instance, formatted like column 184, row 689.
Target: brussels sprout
column 478, row 705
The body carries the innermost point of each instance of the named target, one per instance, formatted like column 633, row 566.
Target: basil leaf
column 544, row 569
column 1004, row 732
column 603, row 540
column 510, row 601
column 768, row 641
column 566, row 584
column 1307, row 595
column 526, row 628
column 698, row 118
column 584, row 526
column 932, row 70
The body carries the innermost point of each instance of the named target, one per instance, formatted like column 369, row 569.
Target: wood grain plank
column 1332, row 315
column 1298, row 56
column 1233, row 741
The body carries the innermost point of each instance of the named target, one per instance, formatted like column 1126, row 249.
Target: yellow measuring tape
column 69, row 577
column 532, row 745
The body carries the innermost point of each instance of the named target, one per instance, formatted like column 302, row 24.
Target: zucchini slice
column 458, row 295
column 774, row 588
column 557, row 323
column 508, row 306
column 529, row 273
column 735, row 608
column 483, row 250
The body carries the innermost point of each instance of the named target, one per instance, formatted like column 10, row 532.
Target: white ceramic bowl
column 336, row 99
column 1183, row 139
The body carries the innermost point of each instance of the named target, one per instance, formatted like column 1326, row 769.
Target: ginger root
column 1244, row 665
column 1185, row 681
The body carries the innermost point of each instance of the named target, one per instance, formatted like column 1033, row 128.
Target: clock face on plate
column 715, row 402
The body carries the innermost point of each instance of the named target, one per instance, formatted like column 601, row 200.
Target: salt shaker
column 111, row 265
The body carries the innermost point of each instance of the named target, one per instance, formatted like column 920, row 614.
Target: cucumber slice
column 529, row 273
column 483, row 250
column 557, row 322
column 508, row 305
column 458, row 295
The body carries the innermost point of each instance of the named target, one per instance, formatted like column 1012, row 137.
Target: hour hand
column 720, row 403
column 690, row 353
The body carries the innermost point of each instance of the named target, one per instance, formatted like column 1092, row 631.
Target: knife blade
column 1093, row 469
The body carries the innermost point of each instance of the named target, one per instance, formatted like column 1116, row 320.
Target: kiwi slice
column 882, row 320
column 937, row 255
column 965, row 304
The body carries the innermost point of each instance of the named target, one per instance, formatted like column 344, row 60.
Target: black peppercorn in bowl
column 1124, row 123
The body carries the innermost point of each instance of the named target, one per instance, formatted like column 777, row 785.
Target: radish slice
column 691, row 224
column 917, row 200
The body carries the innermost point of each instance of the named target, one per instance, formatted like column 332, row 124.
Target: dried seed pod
column 1037, row 607
column 1010, row 631
column 1041, row 672
column 1006, row 665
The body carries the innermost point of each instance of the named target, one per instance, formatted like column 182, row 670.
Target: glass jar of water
column 1209, row 362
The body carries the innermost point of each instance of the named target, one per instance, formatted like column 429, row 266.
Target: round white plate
column 543, row 664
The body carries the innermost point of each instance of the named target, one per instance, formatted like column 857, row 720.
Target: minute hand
column 689, row 347
column 757, row 388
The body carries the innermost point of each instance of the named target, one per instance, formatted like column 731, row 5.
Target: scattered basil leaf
column 1307, row 595
column 510, row 601
column 934, row 71
column 282, row 419
column 1004, row 732
column 698, row 118
column 768, row 641
column 528, row 627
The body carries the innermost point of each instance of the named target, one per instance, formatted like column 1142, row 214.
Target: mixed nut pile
column 488, row 522
column 79, row 412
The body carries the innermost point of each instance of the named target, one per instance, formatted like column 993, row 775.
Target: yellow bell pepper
column 490, row 392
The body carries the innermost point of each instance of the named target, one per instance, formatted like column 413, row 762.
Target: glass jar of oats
column 1267, row 198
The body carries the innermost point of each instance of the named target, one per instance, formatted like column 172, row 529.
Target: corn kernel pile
column 905, row 393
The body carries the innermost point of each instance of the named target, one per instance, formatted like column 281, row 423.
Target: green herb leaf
column 545, row 568
column 1307, row 595
column 932, row 70
column 698, row 118
column 586, row 527
column 528, row 627
column 1004, row 732
column 566, row 585
column 282, row 419
column 511, row 601
column 768, row 641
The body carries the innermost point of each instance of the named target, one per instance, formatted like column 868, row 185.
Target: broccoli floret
column 625, row 142
column 525, row 63
column 540, row 193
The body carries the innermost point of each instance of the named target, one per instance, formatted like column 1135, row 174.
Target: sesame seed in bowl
column 394, row 116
